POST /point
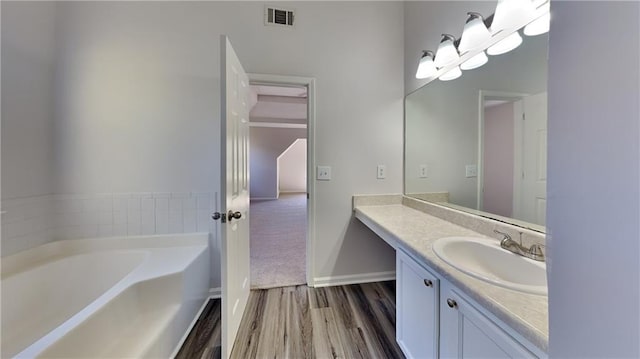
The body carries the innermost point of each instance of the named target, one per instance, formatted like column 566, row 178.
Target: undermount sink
column 484, row 259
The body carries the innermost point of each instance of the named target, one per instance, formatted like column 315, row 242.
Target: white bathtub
column 107, row 297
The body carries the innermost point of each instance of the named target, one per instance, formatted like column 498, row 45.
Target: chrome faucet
column 534, row 252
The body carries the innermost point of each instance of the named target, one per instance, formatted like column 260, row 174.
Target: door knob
column 234, row 215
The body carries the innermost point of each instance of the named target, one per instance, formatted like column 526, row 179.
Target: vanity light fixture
column 505, row 45
column 426, row 67
column 452, row 74
column 541, row 24
column 475, row 62
column 475, row 33
column 447, row 53
column 511, row 13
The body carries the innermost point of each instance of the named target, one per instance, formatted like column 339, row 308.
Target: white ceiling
column 279, row 104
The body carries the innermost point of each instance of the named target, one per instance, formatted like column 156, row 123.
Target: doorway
column 512, row 155
column 280, row 191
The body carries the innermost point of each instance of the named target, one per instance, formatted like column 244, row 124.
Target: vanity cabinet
column 417, row 308
column 467, row 333
column 434, row 320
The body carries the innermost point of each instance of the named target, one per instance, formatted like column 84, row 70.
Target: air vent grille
column 278, row 17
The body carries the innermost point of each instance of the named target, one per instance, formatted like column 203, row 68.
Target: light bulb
column 511, row 14
column 541, row 24
column 475, row 62
column 474, row 34
column 505, row 45
column 452, row 74
column 447, row 53
column 426, row 67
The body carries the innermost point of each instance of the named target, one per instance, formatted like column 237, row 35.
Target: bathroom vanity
column 442, row 311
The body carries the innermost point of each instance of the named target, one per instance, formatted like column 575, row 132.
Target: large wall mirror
column 478, row 143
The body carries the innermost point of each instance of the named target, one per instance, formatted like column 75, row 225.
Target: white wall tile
column 162, row 222
column 105, row 217
column 202, row 221
column 189, row 203
column 34, row 221
column 134, row 229
column 120, row 229
column 162, row 204
column 175, row 205
column 176, row 224
column 133, row 205
column 148, row 222
column 105, row 230
column 120, row 204
column 204, row 201
column 148, row 205
column 120, row 217
column 189, row 220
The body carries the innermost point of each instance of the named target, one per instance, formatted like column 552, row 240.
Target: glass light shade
column 505, row 45
column 447, row 52
column 511, row 14
column 541, row 24
column 475, row 62
column 452, row 74
column 426, row 67
column 475, row 33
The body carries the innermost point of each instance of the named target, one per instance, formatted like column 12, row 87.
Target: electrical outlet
column 471, row 171
column 382, row 172
column 423, row 171
column 323, row 173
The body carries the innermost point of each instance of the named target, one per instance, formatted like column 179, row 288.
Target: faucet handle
column 504, row 235
column 535, row 252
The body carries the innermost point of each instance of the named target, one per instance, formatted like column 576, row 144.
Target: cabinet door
column 416, row 309
column 467, row 333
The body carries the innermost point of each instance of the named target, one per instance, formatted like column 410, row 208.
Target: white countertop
column 415, row 232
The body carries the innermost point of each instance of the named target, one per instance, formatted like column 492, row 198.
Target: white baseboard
column 354, row 279
column 215, row 293
column 263, row 198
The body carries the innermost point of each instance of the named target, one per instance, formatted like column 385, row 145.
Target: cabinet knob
column 428, row 283
column 452, row 303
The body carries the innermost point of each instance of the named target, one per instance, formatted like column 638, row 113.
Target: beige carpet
column 278, row 241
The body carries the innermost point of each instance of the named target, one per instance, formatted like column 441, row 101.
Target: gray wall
column 593, row 206
column 266, row 145
column 27, row 98
column 137, row 94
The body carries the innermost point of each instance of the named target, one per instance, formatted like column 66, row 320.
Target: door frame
column 510, row 96
column 310, row 84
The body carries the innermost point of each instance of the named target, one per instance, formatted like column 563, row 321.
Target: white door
column 234, row 217
column 533, row 181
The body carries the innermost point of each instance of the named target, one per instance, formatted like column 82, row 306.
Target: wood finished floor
column 355, row 321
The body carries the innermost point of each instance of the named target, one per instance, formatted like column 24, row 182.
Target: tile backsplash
column 31, row 221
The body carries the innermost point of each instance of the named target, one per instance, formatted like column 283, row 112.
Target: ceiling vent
column 278, row 17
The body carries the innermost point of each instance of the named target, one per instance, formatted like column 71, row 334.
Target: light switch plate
column 323, row 173
column 471, row 171
column 382, row 172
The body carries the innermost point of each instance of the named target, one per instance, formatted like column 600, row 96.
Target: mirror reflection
column 478, row 143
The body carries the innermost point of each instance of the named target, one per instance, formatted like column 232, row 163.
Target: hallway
column 278, row 241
